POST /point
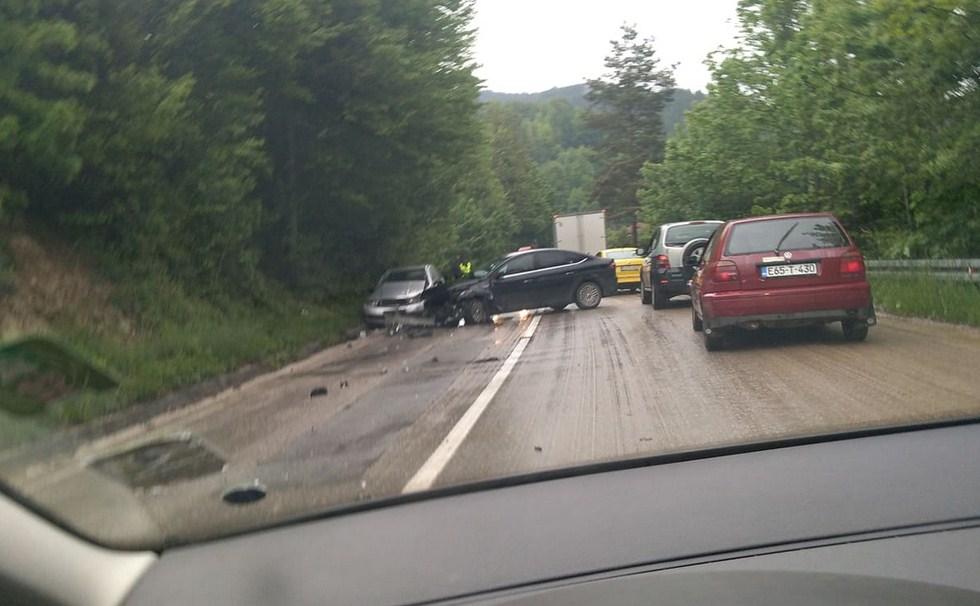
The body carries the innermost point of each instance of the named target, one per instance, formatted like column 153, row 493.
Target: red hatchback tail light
column 852, row 267
column 662, row 262
column 726, row 271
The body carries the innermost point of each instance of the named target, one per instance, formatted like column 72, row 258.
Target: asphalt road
column 537, row 391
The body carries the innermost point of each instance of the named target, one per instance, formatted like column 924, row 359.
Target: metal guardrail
column 945, row 269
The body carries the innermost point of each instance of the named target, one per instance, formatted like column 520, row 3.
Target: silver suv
column 665, row 272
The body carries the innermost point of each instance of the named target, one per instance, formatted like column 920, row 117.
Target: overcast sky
column 533, row 45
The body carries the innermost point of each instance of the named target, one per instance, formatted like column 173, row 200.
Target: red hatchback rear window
column 791, row 233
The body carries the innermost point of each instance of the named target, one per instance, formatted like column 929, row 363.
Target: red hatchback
column 782, row 270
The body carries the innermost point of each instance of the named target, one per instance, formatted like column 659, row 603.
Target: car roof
column 407, row 267
column 675, row 224
column 618, row 248
column 782, row 216
column 517, row 253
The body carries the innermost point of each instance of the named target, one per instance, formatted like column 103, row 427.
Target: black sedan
column 536, row 278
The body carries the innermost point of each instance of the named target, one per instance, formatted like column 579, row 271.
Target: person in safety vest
column 463, row 268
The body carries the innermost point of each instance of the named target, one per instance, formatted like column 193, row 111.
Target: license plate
column 782, row 271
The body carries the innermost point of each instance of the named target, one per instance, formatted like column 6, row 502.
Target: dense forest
column 231, row 145
column 867, row 109
column 236, row 146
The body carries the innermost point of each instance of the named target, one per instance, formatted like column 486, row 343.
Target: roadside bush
column 926, row 297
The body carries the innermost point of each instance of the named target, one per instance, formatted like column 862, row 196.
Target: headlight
column 415, row 299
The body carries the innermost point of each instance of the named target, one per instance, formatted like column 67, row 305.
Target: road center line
column 426, row 476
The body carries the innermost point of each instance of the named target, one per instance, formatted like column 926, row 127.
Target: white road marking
column 426, row 476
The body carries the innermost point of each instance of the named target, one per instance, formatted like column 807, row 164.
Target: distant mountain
column 683, row 100
column 574, row 94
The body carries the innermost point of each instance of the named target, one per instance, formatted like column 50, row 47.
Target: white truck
column 581, row 232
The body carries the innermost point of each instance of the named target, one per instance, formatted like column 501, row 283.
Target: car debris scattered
column 318, row 391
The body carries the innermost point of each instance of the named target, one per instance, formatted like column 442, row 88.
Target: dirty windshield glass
column 217, row 219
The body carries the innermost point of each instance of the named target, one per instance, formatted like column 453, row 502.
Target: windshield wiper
column 786, row 235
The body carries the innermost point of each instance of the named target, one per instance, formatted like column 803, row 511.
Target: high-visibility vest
column 465, row 268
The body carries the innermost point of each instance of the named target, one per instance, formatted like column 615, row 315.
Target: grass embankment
column 170, row 340
column 923, row 296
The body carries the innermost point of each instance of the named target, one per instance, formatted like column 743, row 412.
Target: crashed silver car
column 400, row 290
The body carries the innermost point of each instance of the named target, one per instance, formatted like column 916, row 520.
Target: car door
column 554, row 278
column 697, row 279
column 645, row 278
column 511, row 283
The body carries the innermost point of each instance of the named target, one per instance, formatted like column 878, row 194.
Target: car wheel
column 855, row 330
column 696, row 322
column 558, row 308
column 475, row 311
column 588, row 295
column 713, row 340
column 660, row 298
column 644, row 296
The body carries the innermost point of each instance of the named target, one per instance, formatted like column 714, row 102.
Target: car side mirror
column 641, row 252
column 480, row 274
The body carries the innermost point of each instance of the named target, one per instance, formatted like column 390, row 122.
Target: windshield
column 679, row 235
column 784, row 234
column 216, row 219
column 405, row 275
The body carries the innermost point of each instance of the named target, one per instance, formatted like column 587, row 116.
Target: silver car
column 665, row 272
column 400, row 290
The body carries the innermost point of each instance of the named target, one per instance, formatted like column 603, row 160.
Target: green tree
column 868, row 110
column 570, row 176
column 42, row 114
column 627, row 107
column 525, row 191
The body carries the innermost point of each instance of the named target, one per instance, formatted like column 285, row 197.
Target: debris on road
column 435, row 359
column 317, row 392
column 485, row 360
column 538, row 449
column 344, row 384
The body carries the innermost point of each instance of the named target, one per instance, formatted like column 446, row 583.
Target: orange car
column 628, row 264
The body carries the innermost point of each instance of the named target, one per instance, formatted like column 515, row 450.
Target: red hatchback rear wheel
column 855, row 330
column 713, row 340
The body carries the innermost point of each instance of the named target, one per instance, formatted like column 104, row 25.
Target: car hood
column 398, row 290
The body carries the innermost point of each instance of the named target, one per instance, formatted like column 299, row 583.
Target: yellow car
column 628, row 265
